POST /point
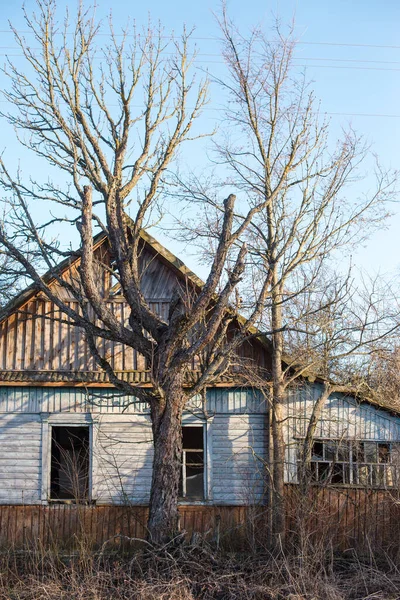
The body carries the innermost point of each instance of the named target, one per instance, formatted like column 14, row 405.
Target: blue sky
column 351, row 50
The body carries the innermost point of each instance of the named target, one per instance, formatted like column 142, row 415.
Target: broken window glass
column 354, row 462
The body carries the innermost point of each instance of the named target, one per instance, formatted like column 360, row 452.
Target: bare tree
column 9, row 280
column 338, row 328
column 74, row 105
column 276, row 152
column 11, row 277
column 382, row 376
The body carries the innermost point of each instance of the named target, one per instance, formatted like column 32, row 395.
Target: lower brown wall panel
column 344, row 518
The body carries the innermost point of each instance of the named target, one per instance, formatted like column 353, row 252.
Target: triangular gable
column 160, row 254
column 37, row 343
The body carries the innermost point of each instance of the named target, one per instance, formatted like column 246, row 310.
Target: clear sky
column 351, row 50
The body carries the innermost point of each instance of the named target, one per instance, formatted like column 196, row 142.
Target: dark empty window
column 367, row 463
column 330, row 461
column 192, row 474
column 69, row 477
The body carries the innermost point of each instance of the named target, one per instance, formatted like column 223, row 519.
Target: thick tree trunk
column 167, row 439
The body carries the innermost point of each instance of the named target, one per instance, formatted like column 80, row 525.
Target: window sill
column 52, row 501
column 195, row 503
column 348, row 486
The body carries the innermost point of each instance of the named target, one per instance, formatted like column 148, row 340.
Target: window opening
column 372, row 464
column 192, row 471
column 69, row 476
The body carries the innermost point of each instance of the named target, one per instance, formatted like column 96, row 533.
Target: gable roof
column 179, row 267
column 163, row 253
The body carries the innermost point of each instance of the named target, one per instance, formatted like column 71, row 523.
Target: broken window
column 330, row 461
column 192, row 473
column 69, row 476
column 373, row 464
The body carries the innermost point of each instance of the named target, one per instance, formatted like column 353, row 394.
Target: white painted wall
column 122, row 445
column 20, row 458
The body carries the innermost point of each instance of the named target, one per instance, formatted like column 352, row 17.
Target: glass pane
column 194, row 458
column 390, row 475
column 362, row 474
column 194, row 483
column 324, row 471
column 343, row 454
column 370, row 452
column 358, row 452
column 395, row 451
column 339, row 473
column 330, row 450
column 378, row 475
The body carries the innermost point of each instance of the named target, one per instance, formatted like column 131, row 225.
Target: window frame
column 193, row 421
column 64, row 420
column 389, row 468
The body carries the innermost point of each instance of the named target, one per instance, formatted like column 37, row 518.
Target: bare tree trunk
column 167, row 440
column 278, row 400
column 278, row 499
column 269, row 479
column 306, row 454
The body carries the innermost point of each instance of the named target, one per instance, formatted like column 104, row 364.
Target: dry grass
column 181, row 571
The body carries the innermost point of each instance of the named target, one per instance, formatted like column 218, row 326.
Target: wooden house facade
column 68, row 439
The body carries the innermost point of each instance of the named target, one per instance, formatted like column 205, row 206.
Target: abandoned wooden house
column 70, row 440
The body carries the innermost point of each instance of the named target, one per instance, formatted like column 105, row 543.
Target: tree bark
column 306, row 454
column 167, row 440
column 278, row 400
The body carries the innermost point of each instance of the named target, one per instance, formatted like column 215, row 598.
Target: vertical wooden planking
column 21, row 342
column 64, row 343
column 40, row 347
column 3, row 344
column 80, row 345
column 52, row 349
column 47, row 311
column 29, row 326
column 11, row 325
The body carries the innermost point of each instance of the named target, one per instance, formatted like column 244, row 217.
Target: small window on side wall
column 192, row 472
column 69, row 474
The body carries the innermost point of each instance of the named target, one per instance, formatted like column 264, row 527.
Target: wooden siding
column 38, row 337
column 342, row 418
column 358, row 519
column 238, row 443
column 20, row 459
column 122, row 442
column 20, row 399
column 123, row 458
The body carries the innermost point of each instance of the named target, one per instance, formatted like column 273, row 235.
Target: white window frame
column 64, row 420
column 194, row 421
column 391, row 470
